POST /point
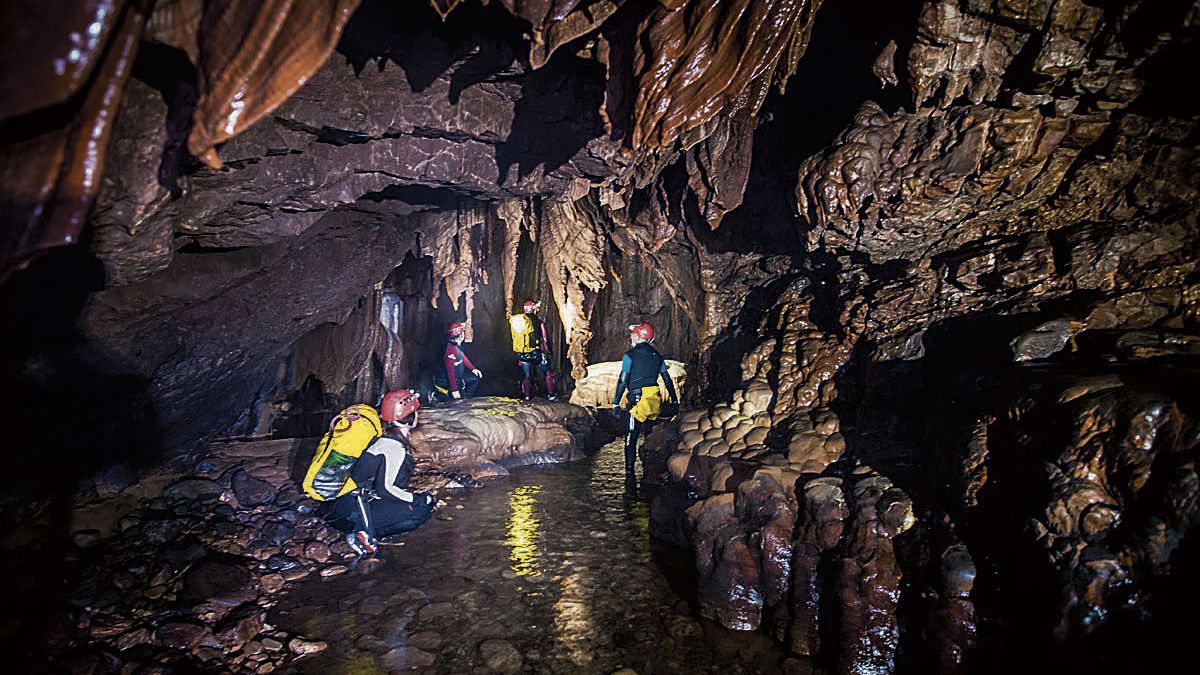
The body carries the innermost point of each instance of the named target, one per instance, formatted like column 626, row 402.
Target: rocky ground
column 179, row 568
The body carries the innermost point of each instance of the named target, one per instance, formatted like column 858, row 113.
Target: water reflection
column 522, row 530
column 574, row 622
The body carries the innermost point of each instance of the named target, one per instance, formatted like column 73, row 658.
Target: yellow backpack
column 522, row 328
column 350, row 433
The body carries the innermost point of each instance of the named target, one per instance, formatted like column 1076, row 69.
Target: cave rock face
column 939, row 328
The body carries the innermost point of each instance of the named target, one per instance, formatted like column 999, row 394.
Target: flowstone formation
column 597, row 388
column 179, row 567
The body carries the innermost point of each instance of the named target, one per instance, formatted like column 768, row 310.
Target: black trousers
column 634, row 429
column 468, row 384
column 386, row 516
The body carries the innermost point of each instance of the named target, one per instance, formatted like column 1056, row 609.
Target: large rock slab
column 478, row 434
column 597, row 389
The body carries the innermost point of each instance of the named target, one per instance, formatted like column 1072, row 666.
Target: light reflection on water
column 574, row 623
column 522, row 530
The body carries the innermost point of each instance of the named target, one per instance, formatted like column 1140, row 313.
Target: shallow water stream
column 548, row 570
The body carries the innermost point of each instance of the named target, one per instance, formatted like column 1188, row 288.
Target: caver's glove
column 478, row 373
column 455, row 395
column 616, row 410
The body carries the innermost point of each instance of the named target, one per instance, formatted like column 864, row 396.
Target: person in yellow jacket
column 641, row 367
column 532, row 348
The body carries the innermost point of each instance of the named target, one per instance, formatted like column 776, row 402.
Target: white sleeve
column 393, row 454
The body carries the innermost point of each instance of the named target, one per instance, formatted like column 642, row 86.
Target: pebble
column 270, row 583
column 108, row 625
column 408, row 658
column 333, row 571
column 86, row 538
column 124, row 580
column 251, row 491
column 181, row 634
column 303, row 647
column 113, row 480
column 680, row 627
column 218, row 582
column 295, row 573
column 425, row 640
column 435, row 611
column 500, row 656
column 317, row 552
column 280, row 562
column 134, row 638
column 192, row 489
column 271, row 644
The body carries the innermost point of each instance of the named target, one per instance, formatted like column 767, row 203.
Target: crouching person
column 383, row 506
column 363, row 465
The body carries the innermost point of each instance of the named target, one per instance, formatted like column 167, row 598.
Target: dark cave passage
column 924, row 274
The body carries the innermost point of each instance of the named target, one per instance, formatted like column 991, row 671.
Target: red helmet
column 642, row 330
column 399, row 404
column 456, row 329
column 531, row 306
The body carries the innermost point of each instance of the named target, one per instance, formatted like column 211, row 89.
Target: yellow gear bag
column 522, row 328
column 648, row 406
column 350, row 433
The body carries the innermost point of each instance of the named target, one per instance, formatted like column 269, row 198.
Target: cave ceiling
column 1015, row 154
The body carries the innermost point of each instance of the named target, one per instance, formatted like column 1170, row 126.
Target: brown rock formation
column 821, row 526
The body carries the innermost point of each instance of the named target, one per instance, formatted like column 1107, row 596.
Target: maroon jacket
column 456, row 361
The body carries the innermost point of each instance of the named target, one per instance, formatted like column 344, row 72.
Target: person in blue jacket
column 641, row 367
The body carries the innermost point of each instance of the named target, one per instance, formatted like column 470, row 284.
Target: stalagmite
column 869, row 580
column 820, row 529
column 956, row 619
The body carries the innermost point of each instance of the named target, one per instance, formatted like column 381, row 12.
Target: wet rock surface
column 485, row 435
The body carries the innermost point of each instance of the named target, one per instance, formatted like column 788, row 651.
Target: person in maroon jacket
column 458, row 378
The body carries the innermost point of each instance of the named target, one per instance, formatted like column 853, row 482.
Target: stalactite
column 51, row 179
column 459, row 251
column 516, row 215
column 253, row 55
column 338, row 353
column 573, row 245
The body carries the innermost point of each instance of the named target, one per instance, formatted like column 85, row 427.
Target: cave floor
column 548, row 570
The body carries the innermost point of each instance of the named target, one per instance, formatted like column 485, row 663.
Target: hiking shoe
column 552, row 397
column 362, row 543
